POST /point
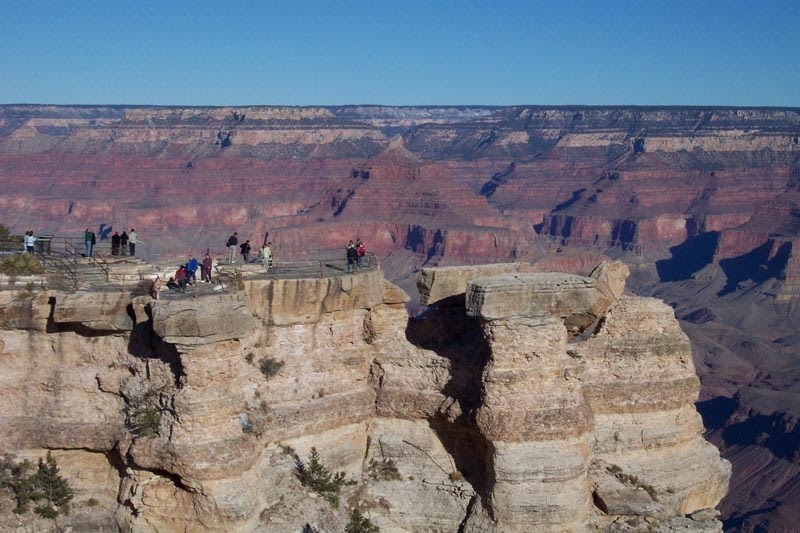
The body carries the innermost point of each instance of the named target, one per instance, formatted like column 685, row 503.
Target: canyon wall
column 703, row 203
column 520, row 399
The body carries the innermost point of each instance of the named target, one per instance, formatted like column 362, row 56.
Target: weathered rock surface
column 490, row 416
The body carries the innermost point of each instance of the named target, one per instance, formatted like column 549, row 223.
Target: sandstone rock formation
column 504, row 414
column 701, row 203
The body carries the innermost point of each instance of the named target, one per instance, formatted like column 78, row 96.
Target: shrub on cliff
column 319, row 478
column 144, row 414
column 360, row 524
column 45, row 486
column 8, row 241
column 385, row 470
column 20, row 265
column 269, row 366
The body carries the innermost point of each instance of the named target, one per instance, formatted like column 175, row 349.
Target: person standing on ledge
column 132, row 240
column 205, row 269
column 352, row 257
column 115, row 243
column 362, row 251
column 266, row 256
column 191, row 270
column 123, row 243
column 30, row 241
column 232, row 242
column 246, row 251
column 89, row 239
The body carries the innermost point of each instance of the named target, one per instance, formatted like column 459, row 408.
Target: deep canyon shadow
column 688, row 257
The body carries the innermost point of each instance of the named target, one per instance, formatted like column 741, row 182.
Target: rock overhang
column 531, row 295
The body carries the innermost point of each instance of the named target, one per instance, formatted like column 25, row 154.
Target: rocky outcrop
column 548, row 400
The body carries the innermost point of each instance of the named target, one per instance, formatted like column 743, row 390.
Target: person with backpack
column 231, row 243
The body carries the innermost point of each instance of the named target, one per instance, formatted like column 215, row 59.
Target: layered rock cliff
column 520, row 400
column 702, row 203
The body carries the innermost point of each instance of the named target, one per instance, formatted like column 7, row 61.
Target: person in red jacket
column 361, row 251
column 180, row 278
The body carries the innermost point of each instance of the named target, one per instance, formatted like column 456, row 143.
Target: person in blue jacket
column 191, row 269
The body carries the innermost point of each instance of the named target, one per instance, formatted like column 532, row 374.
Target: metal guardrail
column 65, row 267
column 326, row 265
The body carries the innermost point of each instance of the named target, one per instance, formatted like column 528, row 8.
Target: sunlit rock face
column 702, row 203
column 544, row 400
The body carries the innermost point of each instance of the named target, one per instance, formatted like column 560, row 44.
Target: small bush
column 249, row 358
column 384, row 470
column 360, row 524
column 633, row 480
column 144, row 415
column 368, row 330
column 21, row 265
column 319, row 478
column 30, row 286
column 146, row 421
column 270, row 367
column 92, row 502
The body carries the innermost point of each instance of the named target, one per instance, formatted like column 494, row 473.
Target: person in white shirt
column 266, row 255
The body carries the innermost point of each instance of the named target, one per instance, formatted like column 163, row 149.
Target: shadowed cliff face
column 703, row 203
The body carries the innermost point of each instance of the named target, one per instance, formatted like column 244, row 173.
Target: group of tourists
column 187, row 273
column 265, row 255
column 355, row 255
column 119, row 243
column 124, row 243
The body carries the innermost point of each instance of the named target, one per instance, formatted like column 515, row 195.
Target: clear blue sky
column 492, row 52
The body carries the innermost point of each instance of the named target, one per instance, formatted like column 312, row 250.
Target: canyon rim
column 701, row 204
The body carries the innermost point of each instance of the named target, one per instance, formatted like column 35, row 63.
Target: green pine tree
column 360, row 524
column 51, row 489
column 321, row 479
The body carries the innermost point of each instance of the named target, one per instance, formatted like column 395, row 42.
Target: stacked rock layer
column 519, row 401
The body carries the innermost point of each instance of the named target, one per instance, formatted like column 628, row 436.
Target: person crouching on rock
column 245, row 248
column 180, row 278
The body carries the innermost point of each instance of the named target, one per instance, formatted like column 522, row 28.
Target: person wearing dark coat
column 123, row 242
column 245, row 248
column 115, row 243
column 352, row 257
